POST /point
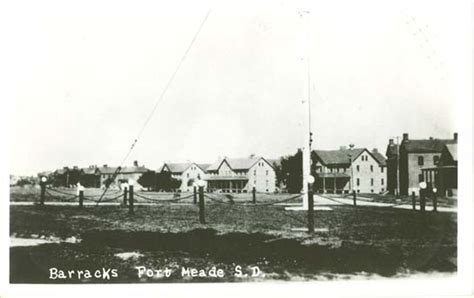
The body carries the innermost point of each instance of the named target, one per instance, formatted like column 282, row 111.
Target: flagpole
column 307, row 128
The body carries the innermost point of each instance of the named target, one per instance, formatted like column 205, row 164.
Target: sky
column 82, row 81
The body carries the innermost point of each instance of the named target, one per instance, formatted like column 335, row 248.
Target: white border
column 458, row 284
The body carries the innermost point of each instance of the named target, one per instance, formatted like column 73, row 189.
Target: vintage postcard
column 274, row 145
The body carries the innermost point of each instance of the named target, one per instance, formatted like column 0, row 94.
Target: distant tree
column 148, row 180
column 24, row 181
column 291, row 172
column 165, row 182
column 278, row 172
column 175, row 183
column 74, row 177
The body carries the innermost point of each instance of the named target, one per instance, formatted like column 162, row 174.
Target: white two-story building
column 188, row 173
column 241, row 175
column 340, row 171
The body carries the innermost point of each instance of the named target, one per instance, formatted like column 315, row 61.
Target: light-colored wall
column 225, row 170
column 365, row 175
column 264, row 177
column 414, row 170
column 191, row 173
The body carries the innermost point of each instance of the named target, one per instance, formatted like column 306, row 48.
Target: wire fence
column 157, row 201
column 231, row 201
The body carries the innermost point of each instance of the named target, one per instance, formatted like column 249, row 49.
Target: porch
column 227, row 184
column 334, row 183
column 443, row 178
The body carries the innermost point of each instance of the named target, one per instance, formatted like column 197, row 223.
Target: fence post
column 81, row 198
column 43, row 192
column 354, row 197
column 310, row 210
column 435, row 201
column 201, row 205
column 254, row 195
column 194, row 195
column 130, row 200
column 125, row 195
column 422, row 200
column 413, row 200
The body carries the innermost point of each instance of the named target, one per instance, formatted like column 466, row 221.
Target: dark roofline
column 256, row 161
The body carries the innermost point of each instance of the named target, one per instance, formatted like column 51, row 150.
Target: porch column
column 334, row 184
column 441, row 182
column 324, row 184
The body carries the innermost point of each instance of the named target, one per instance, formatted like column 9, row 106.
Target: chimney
column 390, row 142
column 135, row 163
column 455, row 136
column 342, row 148
column 375, row 150
column 431, row 138
column 65, row 168
column 252, row 155
column 105, row 165
column 75, row 167
column 405, row 137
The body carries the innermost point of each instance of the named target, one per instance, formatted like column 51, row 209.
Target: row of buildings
column 401, row 170
column 227, row 174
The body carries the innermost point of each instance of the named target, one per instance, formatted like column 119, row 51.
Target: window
column 421, row 161
column 358, row 181
column 187, row 175
column 267, row 172
column 436, row 159
column 358, row 168
column 371, row 181
column 420, row 178
column 371, row 168
column 266, row 183
column 255, row 172
column 371, row 190
column 381, row 181
column 381, row 169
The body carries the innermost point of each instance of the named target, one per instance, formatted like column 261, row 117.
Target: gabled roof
column 276, row 162
column 237, row 164
column 88, row 171
column 61, row 171
column 380, row 158
column 133, row 169
column 176, row 168
column 425, row 146
column 453, row 150
column 107, row 170
column 203, row 166
column 341, row 156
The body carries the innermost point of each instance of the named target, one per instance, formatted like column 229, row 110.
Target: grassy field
column 359, row 241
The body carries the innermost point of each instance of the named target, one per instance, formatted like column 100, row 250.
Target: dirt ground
column 349, row 242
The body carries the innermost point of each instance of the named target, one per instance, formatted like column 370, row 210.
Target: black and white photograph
column 270, row 143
